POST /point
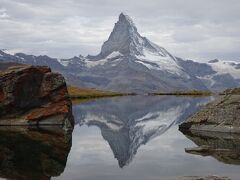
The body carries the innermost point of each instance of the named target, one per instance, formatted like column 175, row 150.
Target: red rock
column 34, row 95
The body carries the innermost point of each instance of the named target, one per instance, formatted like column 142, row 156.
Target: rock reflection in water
column 30, row 153
column 126, row 123
column 224, row 147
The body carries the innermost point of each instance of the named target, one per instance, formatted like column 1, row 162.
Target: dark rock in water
column 33, row 95
column 224, row 147
column 31, row 153
column 222, row 115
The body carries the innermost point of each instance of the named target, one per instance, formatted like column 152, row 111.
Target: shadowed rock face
column 33, row 153
column 224, row 147
column 33, row 95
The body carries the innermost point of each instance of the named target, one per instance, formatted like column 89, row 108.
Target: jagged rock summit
column 126, row 40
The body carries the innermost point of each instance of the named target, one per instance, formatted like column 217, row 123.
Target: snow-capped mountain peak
column 124, row 18
column 124, row 38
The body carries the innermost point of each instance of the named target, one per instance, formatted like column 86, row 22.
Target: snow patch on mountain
column 63, row 62
column 224, row 67
column 112, row 56
column 91, row 64
column 154, row 61
column 6, row 51
column 208, row 79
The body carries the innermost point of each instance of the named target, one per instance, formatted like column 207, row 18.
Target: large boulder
column 222, row 115
column 33, row 95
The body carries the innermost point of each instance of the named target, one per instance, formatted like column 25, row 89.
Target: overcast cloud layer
column 196, row 29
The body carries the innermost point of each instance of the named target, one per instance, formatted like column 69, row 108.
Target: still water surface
column 130, row 138
column 137, row 138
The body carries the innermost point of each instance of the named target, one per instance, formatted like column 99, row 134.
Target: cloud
column 3, row 14
column 200, row 29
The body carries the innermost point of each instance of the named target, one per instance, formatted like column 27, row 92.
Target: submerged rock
column 33, row 95
column 222, row 115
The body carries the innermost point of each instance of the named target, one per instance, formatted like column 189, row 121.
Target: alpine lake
column 131, row 138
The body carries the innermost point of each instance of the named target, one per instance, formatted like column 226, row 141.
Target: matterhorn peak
column 124, row 18
column 124, row 38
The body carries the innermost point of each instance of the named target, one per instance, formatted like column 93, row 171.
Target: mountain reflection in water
column 126, row 123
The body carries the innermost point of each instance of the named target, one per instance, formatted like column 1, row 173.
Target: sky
column 191, row 29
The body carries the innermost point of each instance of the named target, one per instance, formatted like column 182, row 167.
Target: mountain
column 216, row 75
column 129, row 62
column 127, row 123
column 5, row 56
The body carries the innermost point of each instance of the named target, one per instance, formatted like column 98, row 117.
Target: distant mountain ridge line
column 129, row 62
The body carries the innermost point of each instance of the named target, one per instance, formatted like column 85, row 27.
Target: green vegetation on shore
column 185, row 93
column 87, row 93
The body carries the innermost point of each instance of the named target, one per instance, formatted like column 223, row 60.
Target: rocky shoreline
column 221, row 115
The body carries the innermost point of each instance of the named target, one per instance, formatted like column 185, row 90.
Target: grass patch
column 185, row 93
column 87, row 93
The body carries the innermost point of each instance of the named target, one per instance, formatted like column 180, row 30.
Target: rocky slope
column 33, row 95
column 222, row 115
column 129, row 62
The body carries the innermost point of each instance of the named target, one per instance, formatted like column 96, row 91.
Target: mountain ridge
column 129, row 62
